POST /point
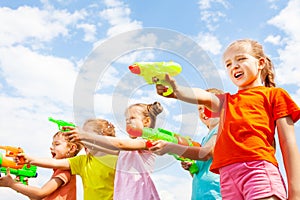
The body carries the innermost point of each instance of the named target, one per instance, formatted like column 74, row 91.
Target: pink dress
column 132, row 179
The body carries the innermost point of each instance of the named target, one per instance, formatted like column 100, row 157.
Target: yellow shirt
column 97, row 174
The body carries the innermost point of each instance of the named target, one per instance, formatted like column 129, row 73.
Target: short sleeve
column 211, row 114
column 283, row 105
column 64, row 175
column 76, row 164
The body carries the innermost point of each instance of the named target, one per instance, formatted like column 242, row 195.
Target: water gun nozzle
column 135, row 69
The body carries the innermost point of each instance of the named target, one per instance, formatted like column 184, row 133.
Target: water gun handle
column 164, row 83
column 193, row 168
column 154, row 72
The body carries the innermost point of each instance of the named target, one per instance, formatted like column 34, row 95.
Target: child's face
column 135, row 118
column 59, row 148
column 243, row 69
column 204, row 119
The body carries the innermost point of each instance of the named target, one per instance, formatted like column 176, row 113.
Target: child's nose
column 235, row 64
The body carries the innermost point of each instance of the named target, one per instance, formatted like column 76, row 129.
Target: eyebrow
column 236, row 56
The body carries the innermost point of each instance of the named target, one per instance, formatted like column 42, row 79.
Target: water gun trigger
column 149, row 144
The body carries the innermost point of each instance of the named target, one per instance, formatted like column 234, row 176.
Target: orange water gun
column 20, row 169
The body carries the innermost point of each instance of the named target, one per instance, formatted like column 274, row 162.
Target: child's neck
column 212, row 125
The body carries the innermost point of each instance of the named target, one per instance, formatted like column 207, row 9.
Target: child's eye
column 228, row 65
column 241, row 58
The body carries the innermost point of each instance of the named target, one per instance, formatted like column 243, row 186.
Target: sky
column 68, row 59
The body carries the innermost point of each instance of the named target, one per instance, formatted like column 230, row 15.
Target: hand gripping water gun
column 151, row 134
column 61, row 123
column 20, row 169
column 155, row 72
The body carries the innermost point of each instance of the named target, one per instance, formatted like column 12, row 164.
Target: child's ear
column 73, row 149
column 261, row 63
column 147, row 121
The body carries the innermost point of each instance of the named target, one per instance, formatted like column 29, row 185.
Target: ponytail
column 154, row 109
column 267, row 74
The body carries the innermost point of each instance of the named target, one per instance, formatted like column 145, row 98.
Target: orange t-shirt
column 247, row 125
column 67, row 191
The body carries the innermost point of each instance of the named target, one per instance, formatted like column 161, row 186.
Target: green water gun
column 151, row 134
column 193, row 168
column 20, row 170
column 61, row 123
column 169, row 136
column 155, row 72
column 27, row 171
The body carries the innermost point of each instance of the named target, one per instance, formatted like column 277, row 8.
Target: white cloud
column 118, row 16
column 172, row 187
column 113, row 3
column 35, row 75
column 28, row 24
column 288, row 72
column 209, row 43
column 273, row 39
column 206, row 4
column 89, row 32
column 211, row 17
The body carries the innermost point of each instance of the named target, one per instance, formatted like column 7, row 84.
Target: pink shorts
column 251, row 180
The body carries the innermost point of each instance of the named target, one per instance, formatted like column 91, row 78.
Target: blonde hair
column 69, row 144
column 101, row 127
column 149, row 110
column 256, row 50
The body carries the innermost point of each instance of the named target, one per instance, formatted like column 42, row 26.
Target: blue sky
column 47, row 46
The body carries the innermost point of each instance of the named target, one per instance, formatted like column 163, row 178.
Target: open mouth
column 238, row 74
column 205, row 117
column 53, row 154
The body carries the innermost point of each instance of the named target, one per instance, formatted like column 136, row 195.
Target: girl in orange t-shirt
column 244, row 153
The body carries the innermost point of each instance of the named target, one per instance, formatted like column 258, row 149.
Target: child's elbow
column 119, row 145
column 38, row 196
column 205, row 156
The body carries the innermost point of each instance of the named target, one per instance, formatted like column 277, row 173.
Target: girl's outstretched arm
column 114, row 143
column 290, row 154
column 108, row 142
column 31, row 191
column 190, row 95
column 205, row 152
column 47, row 162
column 92, row 146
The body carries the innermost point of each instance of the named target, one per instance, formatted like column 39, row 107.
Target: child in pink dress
column 135, row 165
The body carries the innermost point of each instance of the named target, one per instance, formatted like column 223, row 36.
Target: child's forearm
column 292, row 166
column 290, row 154
column 194, row 153
column 96, row 147
column 98, row 141
column 198, row 96
column 29, row 191
column 50, row 163
column 113, row 143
